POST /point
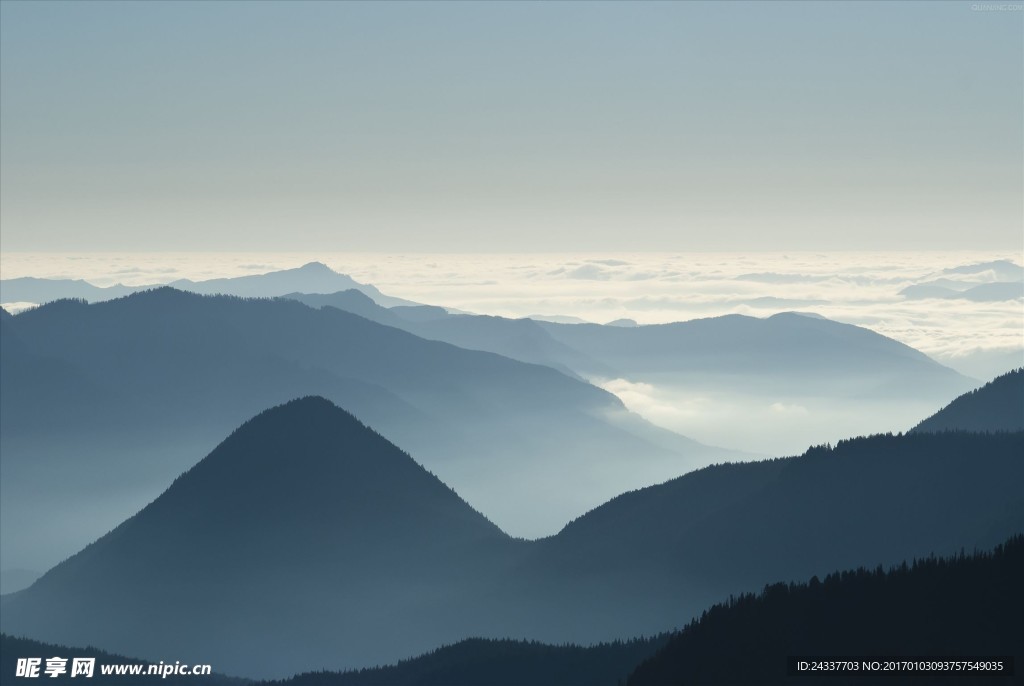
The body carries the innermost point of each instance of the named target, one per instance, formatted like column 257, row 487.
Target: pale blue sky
column 522, row 126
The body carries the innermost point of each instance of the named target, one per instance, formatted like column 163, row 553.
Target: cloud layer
column 856, row 288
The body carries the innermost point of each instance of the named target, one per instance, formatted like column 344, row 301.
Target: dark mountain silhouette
column 785, row 351
column 12, row 648
column 120, row 396
column 746, row 639
column 307, row 541
column 968, row 605
column 303, row 539
column 673, row 549
column 996, row 406
column 313, row 277
column 500, row 662
column 471, row 662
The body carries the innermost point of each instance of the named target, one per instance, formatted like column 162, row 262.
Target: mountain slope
column 996, row 406
column 352, row 301
column 305, row 540
column 671, row 550
column 519, row 339
column 500, row 662
column 132, row 389
column 860, row 612
column 303, row 535
column 789, row 348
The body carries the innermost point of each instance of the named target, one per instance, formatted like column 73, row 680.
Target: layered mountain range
column 306, row 539
column 313, row 277
column 122, row 395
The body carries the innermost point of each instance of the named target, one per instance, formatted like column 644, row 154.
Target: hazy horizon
column 856, row 287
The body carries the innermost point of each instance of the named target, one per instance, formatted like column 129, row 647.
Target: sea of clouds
column 856, row 288
column 978, row 338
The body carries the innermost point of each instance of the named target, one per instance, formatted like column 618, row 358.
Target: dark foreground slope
column 941, row 607
column 501, row 662
column 472, row 662
column 304, row 539
column 996, row 406
column 955, row 607
column 669, row 551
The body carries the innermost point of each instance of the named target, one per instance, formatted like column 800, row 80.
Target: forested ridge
column 965, row 605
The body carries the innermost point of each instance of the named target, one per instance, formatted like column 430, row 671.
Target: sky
column 511, row 127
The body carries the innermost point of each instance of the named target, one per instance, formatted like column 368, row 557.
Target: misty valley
column 296, row 478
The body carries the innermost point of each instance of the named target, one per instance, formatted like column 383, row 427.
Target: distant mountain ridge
column 789, row 349
column 985, row 292
column 722, row 346
column 313, row 277
column 1001, row 269
column 137, row 387
column 741, row 345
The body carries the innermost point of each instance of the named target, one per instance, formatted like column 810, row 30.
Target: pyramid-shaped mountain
column 303, row 535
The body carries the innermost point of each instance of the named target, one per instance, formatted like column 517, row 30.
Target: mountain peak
column 308, row 442
column 316, row 268
column 301, row 516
